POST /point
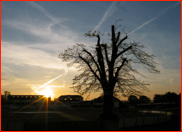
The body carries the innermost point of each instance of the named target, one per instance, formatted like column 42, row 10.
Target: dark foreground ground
column 173, row 125
column 63, row 115
column 87, row 119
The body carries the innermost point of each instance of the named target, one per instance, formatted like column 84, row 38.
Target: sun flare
column 47, row 92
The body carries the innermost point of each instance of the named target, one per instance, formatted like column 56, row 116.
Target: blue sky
column 34, row 33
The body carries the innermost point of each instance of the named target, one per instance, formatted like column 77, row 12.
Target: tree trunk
column 108, row 105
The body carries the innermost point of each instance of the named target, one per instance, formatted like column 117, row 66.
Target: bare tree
column 109, row 67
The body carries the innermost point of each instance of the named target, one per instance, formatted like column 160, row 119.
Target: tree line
column 158, row 98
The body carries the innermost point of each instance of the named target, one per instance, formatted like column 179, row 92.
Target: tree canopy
column 109, row 64
column 167, row 97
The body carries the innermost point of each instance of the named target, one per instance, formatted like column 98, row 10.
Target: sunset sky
column 34, row 33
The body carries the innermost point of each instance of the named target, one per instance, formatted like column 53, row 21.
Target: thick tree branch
column 93, row 60
column 106, row 54
column 123, row 51
column 113, row 34
column 122, row 41
column 114, row 48
column 119, row 68
column 117, row 37
column 100, row 59
column 113, row 56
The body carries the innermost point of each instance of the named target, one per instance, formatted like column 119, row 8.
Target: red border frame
column 88, row 0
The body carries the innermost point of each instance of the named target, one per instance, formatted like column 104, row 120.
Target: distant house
column 70, row 98
column 69, row 101
column 24, row 100
column 98, row 102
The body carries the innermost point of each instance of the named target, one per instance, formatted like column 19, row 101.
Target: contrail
column 52, row 80
column 46, row 13
column 107, row 14
column 36, row 89
column 161, row 13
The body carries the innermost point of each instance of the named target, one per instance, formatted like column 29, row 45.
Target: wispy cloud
column 160, row 14
column 8, row 78
column 171, row 81
column 112, row 8
column 44, row 30
column 22, row 55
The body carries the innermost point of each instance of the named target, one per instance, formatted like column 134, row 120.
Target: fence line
column 139, row 121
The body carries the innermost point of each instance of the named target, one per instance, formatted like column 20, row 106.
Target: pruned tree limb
column 119, row 68
column 93, row 60
column 119, row 54
column 122, row 41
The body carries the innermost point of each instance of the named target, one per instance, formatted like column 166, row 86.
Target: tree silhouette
column 108, row 67
column 168, row 97
column 144, row 99
column 133, row 99
column 158, row 98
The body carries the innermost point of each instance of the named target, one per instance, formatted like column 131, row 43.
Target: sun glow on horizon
column 47, row 92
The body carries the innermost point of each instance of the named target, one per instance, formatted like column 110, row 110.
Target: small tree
column 108, row 67
column 144, row 99
column 170, row 97
column 133, row 99
column 158, row 98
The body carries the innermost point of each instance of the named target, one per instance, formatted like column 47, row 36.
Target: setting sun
column 47, row 92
